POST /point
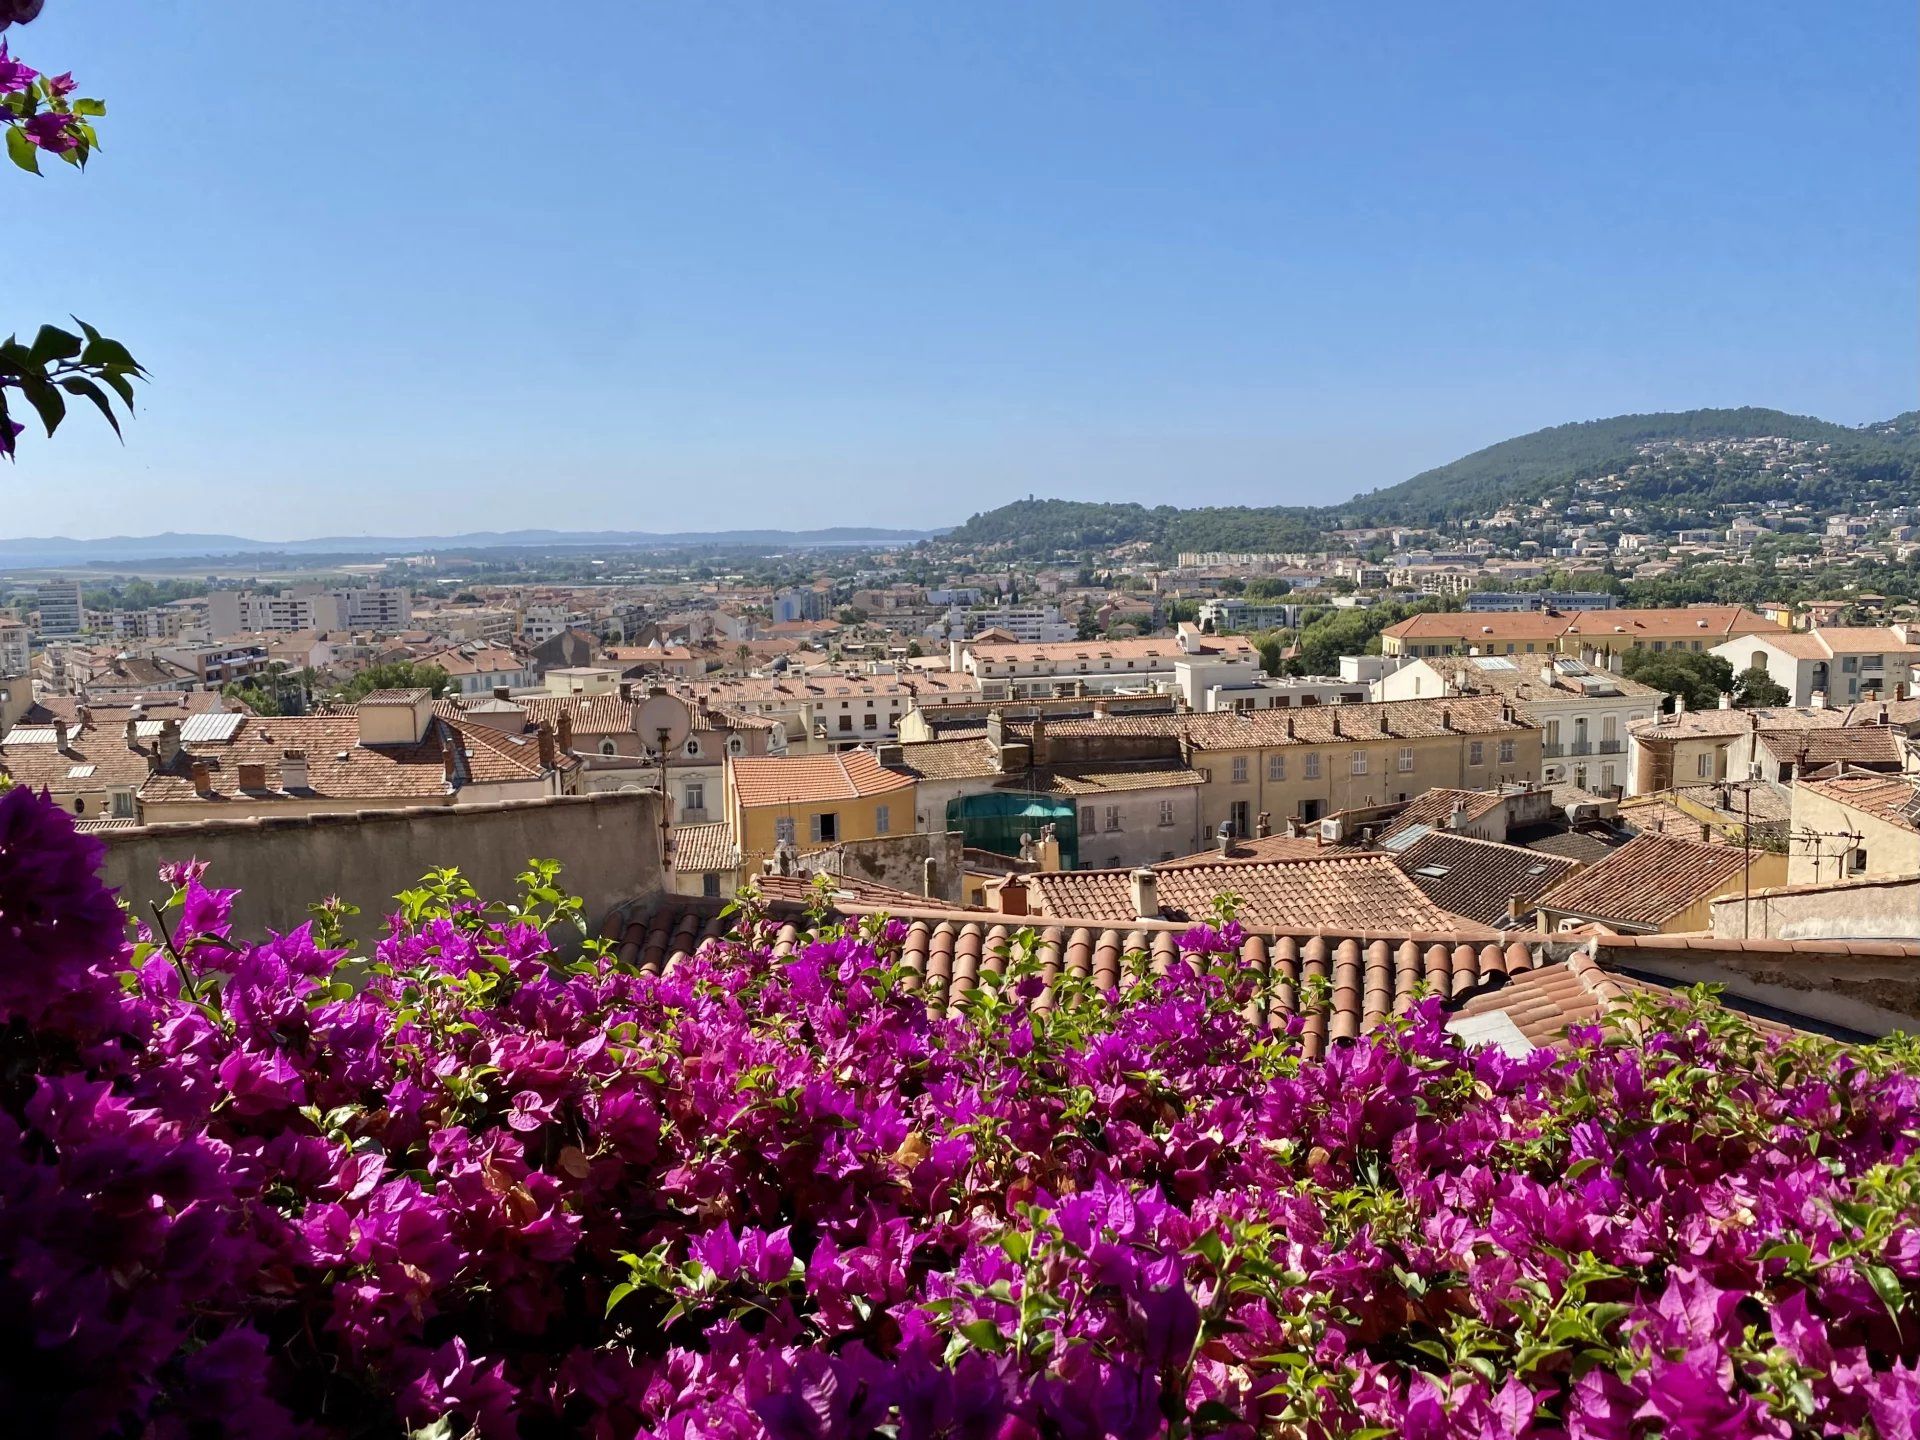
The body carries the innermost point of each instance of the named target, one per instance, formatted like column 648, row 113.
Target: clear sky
column 414, row 266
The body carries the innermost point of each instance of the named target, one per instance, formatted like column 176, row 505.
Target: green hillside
column 1869, row 465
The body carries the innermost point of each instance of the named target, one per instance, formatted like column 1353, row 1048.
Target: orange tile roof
column 699, row 848
column 1693, row 622
column 1647, row 881
column 1346, row 889
column 1360, row 723
column 1892, row 798
column 1488, row 625
column 810, row 779
column 1435, row 808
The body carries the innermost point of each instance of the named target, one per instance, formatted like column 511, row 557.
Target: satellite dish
column 664, row 723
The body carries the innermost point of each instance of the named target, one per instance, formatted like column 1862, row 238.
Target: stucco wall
column 608, row 847
column 900, row 861
column 1887, row 909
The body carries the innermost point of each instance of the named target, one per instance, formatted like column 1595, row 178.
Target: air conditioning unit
column 1332, row 830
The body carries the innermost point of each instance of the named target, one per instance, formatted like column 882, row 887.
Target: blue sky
column 411, row 267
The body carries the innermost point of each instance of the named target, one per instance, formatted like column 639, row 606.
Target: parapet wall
column 608, row 847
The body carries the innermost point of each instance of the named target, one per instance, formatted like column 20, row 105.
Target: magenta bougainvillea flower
column 467, row 1185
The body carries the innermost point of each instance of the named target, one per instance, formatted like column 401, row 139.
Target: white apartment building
column 16, row 645
column 238, row 612
column 1028, row 624
column 61, row 613
column 1842, row 663
column 1009, row 670
column 540, row 623
column 1582, row 709
column 1221, row 685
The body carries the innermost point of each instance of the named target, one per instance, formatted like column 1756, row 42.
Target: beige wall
column 1441, row 760
column 1887, row 908
column 1891, row 849
column 241, row 807
column 608, row 847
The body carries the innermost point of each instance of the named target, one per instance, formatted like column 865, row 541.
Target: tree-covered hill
column 1666, row 463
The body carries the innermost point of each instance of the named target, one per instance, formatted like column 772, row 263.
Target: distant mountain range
column 1859, row 467
column 39, row 551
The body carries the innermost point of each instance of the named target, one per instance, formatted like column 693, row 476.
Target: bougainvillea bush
column 458, row 1185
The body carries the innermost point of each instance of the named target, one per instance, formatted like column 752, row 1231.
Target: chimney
column 1726, row 700
column 450, row 762
column 1514, row 902
column 167, row 747
column 1146, row 894
column 1263, row 825
column 1224, row 835
column 1008, row 895
column 1100, row 710
column 1037, row 741
column 563, row 732
column 1383, row 724
column 1679, row 705
column 1293, row 828
column 1819, row 699
column 548, row 759
column 1899, row 689
column 59, row 734
column 1548, row 676
column 1457, row 817
column 133, row 734
column 1446, row 718
column 1336, row 725
column 202, row 778
column 1289, row 727
column 293, row 769
column 626, row 691
column 252, row 776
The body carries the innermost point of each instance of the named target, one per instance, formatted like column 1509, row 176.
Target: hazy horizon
column 742, row 267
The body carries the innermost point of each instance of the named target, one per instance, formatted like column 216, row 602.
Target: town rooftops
column 1836, row 640
column 1692, row 622
column 1894, row 799
column 1482, row 627
column 814, row 779
column 1338, row 983
column 1481, row 880
column 1700, row 724
column 1647, row 881
column 416, row 696
column 1343, row 889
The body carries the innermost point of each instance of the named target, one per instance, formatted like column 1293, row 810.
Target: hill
column 1674, row 466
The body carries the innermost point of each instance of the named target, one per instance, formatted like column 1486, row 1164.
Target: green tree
column 914, row 652
column 1699, row 677
column 397, row 675
column 1754, row 688
column 1267, row 588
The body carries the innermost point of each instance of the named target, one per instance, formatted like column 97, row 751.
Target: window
column 734, row 745
column 607, row 747
column 1113, row 817
column 1357, row 762
column 1606, row 777
column 1239, row 769
column 1313, row 767
column 1506, row 752
column 1703, row 766
column 1857, row 861
column 1086, row 820
column 710, row 885
column 870, row 722
column 1276, row 767
column 825, row 827
column 846, row 724
column 696, row 795
column 783, row 830
column 1476, row 752
column 882, row 819
column 1406, row 757
column 1166, row 812
column 1238, row 817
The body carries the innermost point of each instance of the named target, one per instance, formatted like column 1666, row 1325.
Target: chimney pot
column 133, row 734
column 202, row 778
column 252, row 776
column 60, row 734
column 548, row 758
column 1263, row 826
column 1146, row 894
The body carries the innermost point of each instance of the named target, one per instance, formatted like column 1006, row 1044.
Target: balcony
column 1613, row 747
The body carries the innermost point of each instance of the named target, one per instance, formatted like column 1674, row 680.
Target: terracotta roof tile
column 700, row 848
column 1647, row 881
column 806, row 779
column 1890, row 798
column 1480, row 878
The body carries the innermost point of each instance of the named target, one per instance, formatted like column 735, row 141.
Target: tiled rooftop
column 809, row 779
column 1349, row 889
column 1480, row 879
column 1891, row 798
column 1647, row 881
column 700, row 848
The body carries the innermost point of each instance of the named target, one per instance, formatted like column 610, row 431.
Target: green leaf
column 80, row 385
column 53, row 343
column 1213, row 1414
column 89, row 107
column 617, row 1294
column 1886, row 1284
column 984, row 1335
column 21, row 150
column 45, row 399
column 103, row 351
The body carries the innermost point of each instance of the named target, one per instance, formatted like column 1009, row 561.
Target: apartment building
column 1436, row 635
column 1006, row 670
column 833, row 711
column 1583, row 711
column 799, row 802
column 1692, row 628
column 309, row 607
column 1228, row 614
column 1840, row 664
column 61, row 613
column 16, row 647
column 219, row 663
column 1565, row 601
column 1308, row 763
column 1690, row 747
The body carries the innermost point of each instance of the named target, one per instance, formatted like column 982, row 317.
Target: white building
column 308, row 607
column 61, row 614
column 1207, row 684
column 16, row 644
column 1582, row 709
column 1009, row 670
column 1843, row 664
